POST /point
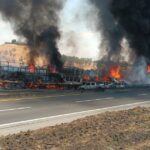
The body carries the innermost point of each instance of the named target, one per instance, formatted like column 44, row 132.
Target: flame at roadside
column 148, row 69
column 115, row 72
column 31, row 68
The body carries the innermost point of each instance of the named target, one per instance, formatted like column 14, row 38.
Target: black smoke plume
column 134, row 17
column 36, row 21
column 111, row 32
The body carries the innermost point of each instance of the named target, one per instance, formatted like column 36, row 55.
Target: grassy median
column 120, row 130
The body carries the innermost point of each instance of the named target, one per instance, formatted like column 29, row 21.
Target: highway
column 24, row 105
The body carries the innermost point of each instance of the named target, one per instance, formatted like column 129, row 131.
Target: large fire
column 115, row 72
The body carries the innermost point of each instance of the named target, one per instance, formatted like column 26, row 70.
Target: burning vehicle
column 33, row 77
column 111, row 76
column 49, row 77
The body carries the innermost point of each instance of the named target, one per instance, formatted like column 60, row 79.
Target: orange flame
column 86, row 78
column 148, row 69
column 115, row 72
column 31, row 68
column 97, row 78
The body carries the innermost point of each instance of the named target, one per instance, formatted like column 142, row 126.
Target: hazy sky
column 73, row 22
column 6, row 32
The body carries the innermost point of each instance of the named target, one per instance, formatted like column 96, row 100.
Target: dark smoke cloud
column 134, row 17
column 112, row 33
column 37, row 21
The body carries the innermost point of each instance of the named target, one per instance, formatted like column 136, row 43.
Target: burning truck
column 48, row 77
column 33, row 77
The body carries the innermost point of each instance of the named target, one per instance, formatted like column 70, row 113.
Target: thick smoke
column 138, row 74
column 37, row 22
column 111, row 32
column 134, row 17
column 130, row 20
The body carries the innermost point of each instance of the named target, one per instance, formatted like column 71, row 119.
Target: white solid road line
column 92, row 100
column 14, row 109
column 27, row 122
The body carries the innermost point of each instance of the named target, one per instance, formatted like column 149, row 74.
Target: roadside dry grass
column 122, row 130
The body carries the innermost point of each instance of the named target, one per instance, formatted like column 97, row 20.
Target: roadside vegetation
column 122, row 130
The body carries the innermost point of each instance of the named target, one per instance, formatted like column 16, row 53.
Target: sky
column 73, row 25
column 6, row 32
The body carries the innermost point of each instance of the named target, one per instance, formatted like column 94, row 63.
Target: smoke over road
column 111, row 32
column 134, row 17
column 128, row 20
column 36, row 21
column 120, row 19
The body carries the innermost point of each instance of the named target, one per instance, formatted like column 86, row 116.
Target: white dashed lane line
column 39, row 97
column 92, row 100
column 14, row 109
column 143, row 94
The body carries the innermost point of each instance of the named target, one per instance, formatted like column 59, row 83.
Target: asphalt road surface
column 22, row 105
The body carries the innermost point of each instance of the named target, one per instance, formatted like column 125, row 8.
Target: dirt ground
column 123, row 130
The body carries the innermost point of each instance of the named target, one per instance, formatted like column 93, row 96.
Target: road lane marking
column 32, row 98
column 143, row 94
column 63, row 95
column 3, row 94
column 27, row 122
column 92, row 100
column 14, row 109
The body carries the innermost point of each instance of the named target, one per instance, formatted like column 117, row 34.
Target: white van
column 89, row 85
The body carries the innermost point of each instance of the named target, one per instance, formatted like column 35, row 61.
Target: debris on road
column 128, row 129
